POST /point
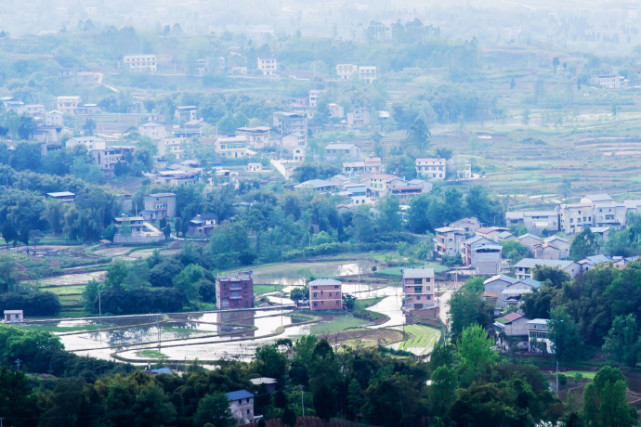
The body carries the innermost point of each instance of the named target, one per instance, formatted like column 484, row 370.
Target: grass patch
column 586, row 374
column 338, row 324
column 265, row 289
column 396, row 272
column 361, row 310
column 152, row 354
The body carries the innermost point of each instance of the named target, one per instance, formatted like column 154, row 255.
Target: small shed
column 13, row 316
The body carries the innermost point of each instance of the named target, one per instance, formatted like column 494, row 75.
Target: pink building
column 325, row 294
column 418, row 288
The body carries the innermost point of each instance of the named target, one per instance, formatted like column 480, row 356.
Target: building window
column 418, row 281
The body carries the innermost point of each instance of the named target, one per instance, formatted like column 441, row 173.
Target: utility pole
column 99, row 306
column 158, row 326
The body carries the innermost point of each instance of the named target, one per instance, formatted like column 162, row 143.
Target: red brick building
column 418, row 288
column 235, row 290
column 325, row 294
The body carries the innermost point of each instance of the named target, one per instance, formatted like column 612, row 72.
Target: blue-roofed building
column 241, row 404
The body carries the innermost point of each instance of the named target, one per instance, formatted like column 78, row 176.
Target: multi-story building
column 534, row 221
column 232, row 147
column 539, row 336
column 314, row 96
column 523, row 269
column 288, row 123
column 325, row 294
column 469, row 224
column 369, row 165
column 435, row 169
column 235, row 290
column 258, row 137
column 68, row 104
column 89, row 142
column 608, row 81
column 358, row 118
column 186, row 113
column 338, row 151
column 174, row 146
column 345, row 71
column 267, row 66
column 367, row 73
column 106, row 159
column 448, row 241
column 159, row 205
column 575, row 217
column 140, row 63
column 418, row 288
column 241, row 405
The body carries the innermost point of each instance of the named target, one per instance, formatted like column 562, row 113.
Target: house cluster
column 599, row 212
column 479, row 247
column 362, row 182
column 366, row 73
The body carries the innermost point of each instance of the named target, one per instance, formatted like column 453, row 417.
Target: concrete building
column 258, row 137
column 575, row 217
column 539, row 336
column 159, row 205
column 235, row 290
column 448, row 241
column 434, row 169
column 135, row 230
column 345, row 71
column 234, row 147
column 325, row 294
column 358, row 118
column 418, row 288
column 153, row 131
column 11, row 316
column 173, row 146
column 89, row 142
column 62, row 196
column 106, row 159
column 318, row 186
column 512, row 332
column 486, row 258
column 367, row 73
column 298, row 154
column 68, row 104
column 469, row 225
column 267, row 66
column 529, row 241
column 289, row 123
column 608, row 81
column 534, row 221
column 202, row 225
column 241, row 404
column 523, row 268
column 369, row 165
column 186, row 113
column 141, row 63
column 341, row 151
column 314, row 97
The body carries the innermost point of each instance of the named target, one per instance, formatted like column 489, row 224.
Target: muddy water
column 207, row 336
column 73, row 279
column 296, row 274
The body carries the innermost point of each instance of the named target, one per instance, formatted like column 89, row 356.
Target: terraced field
column 422, row 339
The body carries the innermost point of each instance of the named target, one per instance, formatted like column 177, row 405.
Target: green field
column 421, row 337
column 265, row 289
column 153, row 354
column 396, row 272
column 585, row 374
column 338, row 324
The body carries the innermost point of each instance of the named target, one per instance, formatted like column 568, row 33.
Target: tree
column 389, row 218
column 604, row 400
column 514, row 251
column 271, row 362
column 585, row 244
column 476, row 353
column 466, row 309
column 554, row 276
column 537, row 304
column 188, row 279
column 89, row 127
column 214, row 408
column 153, row 407
column 419, row 135
column 563, row 332
column 623, row 342
column 167, row 231
column 289, row 417
column 442, row 392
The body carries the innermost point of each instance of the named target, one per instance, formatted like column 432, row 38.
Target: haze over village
column 330, row 213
